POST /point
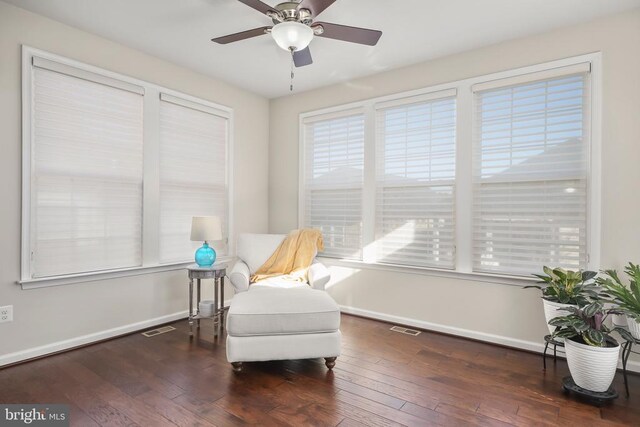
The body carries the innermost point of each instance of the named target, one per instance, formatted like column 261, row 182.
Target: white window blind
column 530, row 163
column 193, row 171
column 415, row 177
column 334, row 164
column 86, row 175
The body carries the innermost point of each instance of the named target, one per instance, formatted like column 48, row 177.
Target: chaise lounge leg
column 330, row 362
column 237, row 367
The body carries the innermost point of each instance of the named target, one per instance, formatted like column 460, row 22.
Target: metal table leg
column 198, row 302
column 190, row 307
column 216, row 321
column 544, row 356
column 222, row 304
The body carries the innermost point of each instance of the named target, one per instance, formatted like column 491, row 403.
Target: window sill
column 451, row 274
column 94, row 276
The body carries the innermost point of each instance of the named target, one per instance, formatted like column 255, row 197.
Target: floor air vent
column 154, row 332
column 406, row 331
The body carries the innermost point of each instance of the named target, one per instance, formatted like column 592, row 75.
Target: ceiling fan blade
column 315, row 6
column 349, row 34
column 258, row 5
column 302, row 57
column 241, row 35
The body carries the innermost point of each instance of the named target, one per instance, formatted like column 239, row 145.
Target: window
column 113, row 170
column 493, row 175
column 530, row 175
column 333, row 182
column 415, row 178
column 86, row 199
column 193, row 145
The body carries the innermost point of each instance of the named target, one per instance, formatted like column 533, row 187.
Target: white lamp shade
column 292, row 34
column 206, row 228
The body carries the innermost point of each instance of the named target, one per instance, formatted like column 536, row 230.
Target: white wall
column 49, row 315
column 490, row 311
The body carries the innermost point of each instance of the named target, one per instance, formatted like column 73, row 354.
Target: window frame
column 463, row 178
column 207, row 109
column 425, row 99
column 323, row 117
column 151, row 174
column 579, row 69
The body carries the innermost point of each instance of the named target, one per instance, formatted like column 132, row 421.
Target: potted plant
column 626, row 300
column 592, row 354
column 564, row 288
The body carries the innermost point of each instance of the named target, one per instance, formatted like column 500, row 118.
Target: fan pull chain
column 292, row 75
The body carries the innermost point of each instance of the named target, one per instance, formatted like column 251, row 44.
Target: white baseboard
column 632, row 365
column 30, row 353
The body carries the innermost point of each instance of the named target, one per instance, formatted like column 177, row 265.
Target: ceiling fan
column 294, row 28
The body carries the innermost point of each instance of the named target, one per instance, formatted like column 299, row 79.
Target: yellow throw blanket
column 293, row 257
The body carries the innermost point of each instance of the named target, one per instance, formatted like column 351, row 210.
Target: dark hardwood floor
column 383, row 378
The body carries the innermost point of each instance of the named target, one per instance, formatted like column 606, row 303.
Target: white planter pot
column 619, row 320
column 551, row 310
column 592, row 368
column 634, row 327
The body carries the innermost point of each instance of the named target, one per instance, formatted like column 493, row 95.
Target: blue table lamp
column 205, row 229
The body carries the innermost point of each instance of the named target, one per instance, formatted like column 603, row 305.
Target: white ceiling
column 180, row 31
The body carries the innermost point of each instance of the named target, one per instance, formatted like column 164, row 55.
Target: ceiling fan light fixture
column 291, row 35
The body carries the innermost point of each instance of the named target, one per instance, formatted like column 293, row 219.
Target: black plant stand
column 594, row 397
column 626, row 352
column 548, row 339
column 627, row 347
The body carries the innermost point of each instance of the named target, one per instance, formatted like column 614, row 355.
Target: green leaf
column 544, row 279
column 614, row 275
column 560, row 321
column 594, row 338
column 580, row 301
column 580, row 325
column 592, row 294
column 588, row 275
column 626, row 335
column 635, row 288
column 633, row 271
column 573, row 310
column 548, row 271
column 565, row 333
column 560, row 273
column 592, row 309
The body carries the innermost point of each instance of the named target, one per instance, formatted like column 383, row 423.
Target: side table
column 217, row 272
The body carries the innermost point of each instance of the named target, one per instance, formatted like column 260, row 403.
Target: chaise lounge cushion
column 273, row 311
column 255, row 249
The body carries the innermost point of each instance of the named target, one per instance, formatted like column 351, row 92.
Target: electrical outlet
column 6, row 313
